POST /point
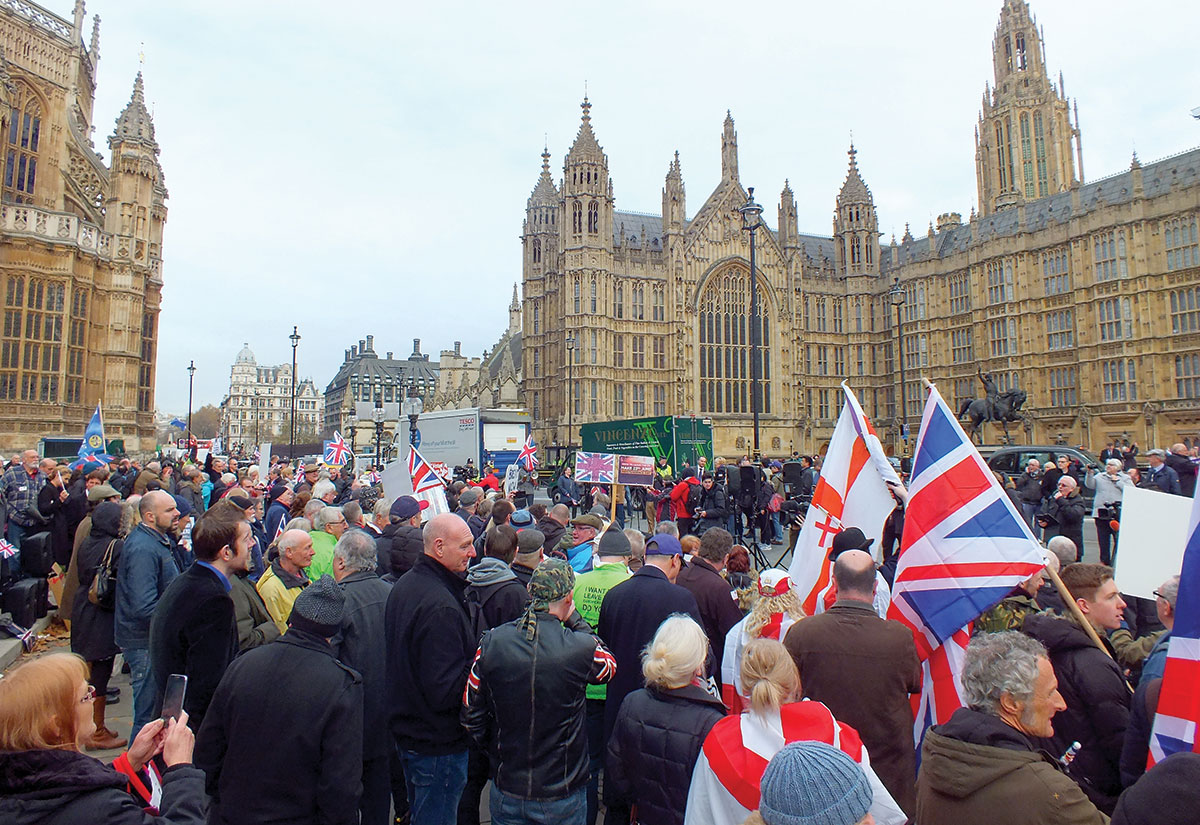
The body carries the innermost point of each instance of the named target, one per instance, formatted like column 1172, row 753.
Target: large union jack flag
column 423, row 476
column 595, row 468
column 964, row 548
column 528, row 455
column 1179, row 700
column 337, row 451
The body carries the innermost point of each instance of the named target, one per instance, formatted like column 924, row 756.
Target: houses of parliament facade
column 80, row 240
column 1084, row 294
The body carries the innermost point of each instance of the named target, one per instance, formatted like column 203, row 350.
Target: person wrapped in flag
column 725, row 781
column 777, row 608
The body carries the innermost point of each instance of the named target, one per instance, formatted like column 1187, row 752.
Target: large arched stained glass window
column 21, row 146
column 725, row 346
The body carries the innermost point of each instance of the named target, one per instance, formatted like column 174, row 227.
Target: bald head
column 854, row 572
column 449, row 542
column 560, row 513
column 158, row 510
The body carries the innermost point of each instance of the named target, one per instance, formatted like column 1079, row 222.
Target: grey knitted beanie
column 319, row 607
column 811, row 783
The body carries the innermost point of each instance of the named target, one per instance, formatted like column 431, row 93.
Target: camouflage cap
column 551, row 580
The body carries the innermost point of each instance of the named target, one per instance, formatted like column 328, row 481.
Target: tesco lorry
column 483, row 436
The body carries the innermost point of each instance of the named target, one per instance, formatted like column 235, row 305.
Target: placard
column 635, row 470
column 1152, row 537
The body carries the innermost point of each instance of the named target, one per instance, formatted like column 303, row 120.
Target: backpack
column 695, row 497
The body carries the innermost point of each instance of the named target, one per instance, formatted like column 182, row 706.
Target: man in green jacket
column 981, row 766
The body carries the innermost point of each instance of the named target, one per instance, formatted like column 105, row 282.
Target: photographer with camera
column 1106, row 508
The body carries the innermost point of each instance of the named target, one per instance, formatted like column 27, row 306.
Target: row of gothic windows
column 21, row 150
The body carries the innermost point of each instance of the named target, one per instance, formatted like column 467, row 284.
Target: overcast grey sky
column 362, row 167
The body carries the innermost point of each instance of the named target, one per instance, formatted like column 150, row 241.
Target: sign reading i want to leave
column 605, row 468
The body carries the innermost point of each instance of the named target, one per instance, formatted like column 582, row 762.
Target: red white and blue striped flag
column 1179, row 700
column 423, row 476
column 528, row 455
column 964, row 548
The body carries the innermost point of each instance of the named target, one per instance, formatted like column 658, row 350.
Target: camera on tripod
column 1109, row 512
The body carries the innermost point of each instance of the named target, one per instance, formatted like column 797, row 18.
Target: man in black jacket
column 359, row 644
column 194, row 630
column 282, row 741
column 702, row 577
column 1177, row 459
column 525, row 701
column 492, row 587
column 1063, row 513
column 714, row 507
column 429, row 649
column 401, row 542
column 1090, row 681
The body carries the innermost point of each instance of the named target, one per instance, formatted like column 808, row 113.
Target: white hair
column 326, row 515
column 999, row 663
column 323, row 488
column 357, row 550
column 1118, row 462
column 676, row 652
column 1064, row 548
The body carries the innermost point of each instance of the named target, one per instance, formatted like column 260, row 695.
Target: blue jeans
column 596, row 750
column 513, row 810
column 777, row 529
column 17, row 533
column 144, row 691
column 435, row 784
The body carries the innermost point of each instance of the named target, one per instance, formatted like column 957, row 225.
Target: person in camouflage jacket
column 1011, row 611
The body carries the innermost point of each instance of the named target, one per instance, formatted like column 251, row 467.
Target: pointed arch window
column 577, row 217
column 593, row 218
column 537, row 251
column 856, row 250
column 725, row 346
column 21, row 150
column 1026, row 155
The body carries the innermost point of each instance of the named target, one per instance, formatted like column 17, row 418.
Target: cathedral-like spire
column 544, row 191
column 516, row 304
column 134, row 125
column 729, row 153
column 585, row 145
column 854, row 190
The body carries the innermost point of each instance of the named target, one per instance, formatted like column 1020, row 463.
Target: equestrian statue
column 1001, row 407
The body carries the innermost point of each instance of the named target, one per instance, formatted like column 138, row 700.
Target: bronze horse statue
column 1004, row 408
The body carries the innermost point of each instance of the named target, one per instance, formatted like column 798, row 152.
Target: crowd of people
column 351, row 658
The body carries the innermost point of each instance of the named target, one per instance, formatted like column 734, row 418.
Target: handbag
column 775, row 502
column 103, row 590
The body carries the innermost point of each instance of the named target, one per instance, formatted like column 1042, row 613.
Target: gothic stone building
column 490, row 382
column 80, row 240
column 1086, row 295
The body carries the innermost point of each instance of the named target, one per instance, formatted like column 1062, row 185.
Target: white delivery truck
column 483, row 436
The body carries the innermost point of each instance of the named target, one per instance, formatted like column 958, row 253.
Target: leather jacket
column 524, row 703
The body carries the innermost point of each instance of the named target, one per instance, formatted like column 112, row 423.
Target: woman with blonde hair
column 45, row 713
column 659, row 729
column 729, row 770
column 776, row 610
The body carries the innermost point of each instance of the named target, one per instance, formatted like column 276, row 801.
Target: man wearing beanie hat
column 280, row 748
column 611, row 569
column 812, row 783
column 525, row 701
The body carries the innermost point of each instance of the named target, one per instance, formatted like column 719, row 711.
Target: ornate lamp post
column 378, row 414
column 570, row 391
column 257, row 407
column 751, row 215
column 191, row 375
column 413, row 407
column 897, row 296
column 295, row 339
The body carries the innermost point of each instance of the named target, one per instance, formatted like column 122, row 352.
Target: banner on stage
column 635, row 470
column 1152, row 537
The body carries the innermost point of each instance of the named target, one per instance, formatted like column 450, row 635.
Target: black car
column 1011, row 461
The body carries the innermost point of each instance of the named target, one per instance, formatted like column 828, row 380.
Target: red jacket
column 679, row 496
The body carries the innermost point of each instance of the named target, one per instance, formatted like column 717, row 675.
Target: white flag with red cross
column 851, row 492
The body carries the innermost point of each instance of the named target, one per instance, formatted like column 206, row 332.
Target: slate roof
column 631, row 225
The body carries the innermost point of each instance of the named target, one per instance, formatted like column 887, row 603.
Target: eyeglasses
column 1161, row 596
column 89, row 696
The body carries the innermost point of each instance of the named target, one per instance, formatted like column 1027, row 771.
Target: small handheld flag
column 528, row 455
column 337, row 451
column 7, row 551
column 92, row 448
column 423, row 476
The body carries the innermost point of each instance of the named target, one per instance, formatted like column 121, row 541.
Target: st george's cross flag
column 337, row 451
column 423, row 476
column 964, row 549
column 1179, row 700
column 528, row 455
column 852, row 491
column 595, row 468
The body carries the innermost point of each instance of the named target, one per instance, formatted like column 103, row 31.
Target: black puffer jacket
column 525, row 703
column 398, row 549
column 1097, row 713
column 52, row 787
column 654, row 748
column 92, row 626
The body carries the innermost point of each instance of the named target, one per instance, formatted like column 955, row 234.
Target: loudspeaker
column 792, row 471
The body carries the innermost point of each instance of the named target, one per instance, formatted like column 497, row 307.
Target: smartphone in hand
column 173, row 697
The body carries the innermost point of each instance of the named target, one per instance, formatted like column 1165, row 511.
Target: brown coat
column 863, row 668
column 976, row 769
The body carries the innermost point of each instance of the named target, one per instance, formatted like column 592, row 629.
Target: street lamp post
column 295, row 339
column 751, row 215
column 570, row 391
column 413, row 407
column 191, row 375
column 257, row 414
column 897, row 296
column 378, row 414
column 352, row 423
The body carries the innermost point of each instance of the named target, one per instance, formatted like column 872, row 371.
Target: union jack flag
column 1179, row 701
column 595, row 468
column 528, row 455
column 372, row 477
column 964, row 548
column 423, row 476
column 7, row 551
column 337, row 451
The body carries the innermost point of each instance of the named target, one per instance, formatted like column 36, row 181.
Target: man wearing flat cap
column 525, row 700
column 283, row 749
column 579, row 544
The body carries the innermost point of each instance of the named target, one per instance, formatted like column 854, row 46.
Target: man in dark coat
column 714, row 506
column 283, row 738
column 848, row 646
column 360, row 645
column 554, row 524
column 1090, row 681
column 194, row 629
column 632, row 611
column 1177, row 459
column 1160, row 475
column 1064, row 512
column 492, row 587
column 401, row 542
column 702, row 577
column 429, row 650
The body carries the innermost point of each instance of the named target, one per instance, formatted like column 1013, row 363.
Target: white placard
column 1152, row 537
column 264, row 462
column 396, row 481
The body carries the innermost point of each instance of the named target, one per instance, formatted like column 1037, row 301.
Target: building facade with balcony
column 258, row 406
column 365, row 377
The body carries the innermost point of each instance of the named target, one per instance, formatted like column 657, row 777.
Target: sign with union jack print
column 964, row 548
column 595, row 468
column 1179, row 700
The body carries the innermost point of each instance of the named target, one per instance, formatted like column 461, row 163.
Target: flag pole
column 1069, row 601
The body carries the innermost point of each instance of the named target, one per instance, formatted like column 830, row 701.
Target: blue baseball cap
column 663, row 544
